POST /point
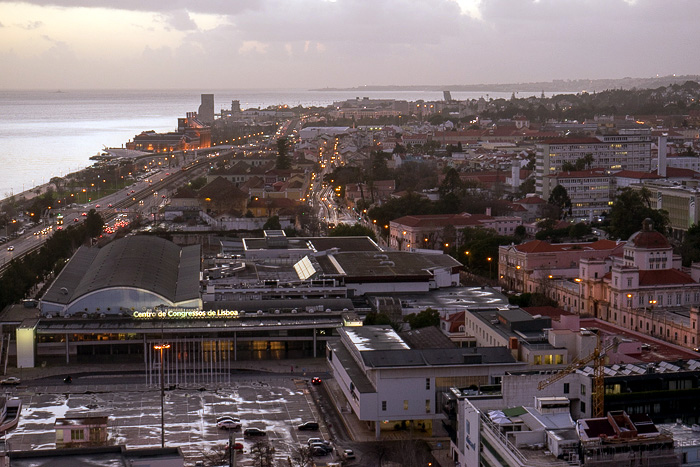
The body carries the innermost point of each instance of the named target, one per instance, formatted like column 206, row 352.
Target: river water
column 45, row 134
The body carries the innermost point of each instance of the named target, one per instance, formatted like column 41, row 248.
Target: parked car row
column 319, row 446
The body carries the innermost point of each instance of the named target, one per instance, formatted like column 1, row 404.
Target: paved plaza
column 275, row 403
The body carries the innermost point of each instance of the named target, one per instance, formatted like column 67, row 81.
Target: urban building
column 610, row 152
column 390, row 386
column 437, row 231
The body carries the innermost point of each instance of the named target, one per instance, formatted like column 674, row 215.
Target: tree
column 426, row 318
column 283, row 160
column 690, row 248
column 303, row 457
column 357, row 230
column 263, row 454
column 94, row 223
column 559, row 197
column 630, row 208
column 273, row 223
column 452, row 183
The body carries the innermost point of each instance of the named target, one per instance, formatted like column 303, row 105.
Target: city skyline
column 73, row 44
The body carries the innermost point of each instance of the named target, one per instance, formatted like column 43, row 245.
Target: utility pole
column 162, row 347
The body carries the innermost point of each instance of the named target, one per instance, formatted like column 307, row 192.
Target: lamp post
column 489, row 260
column 162, row 347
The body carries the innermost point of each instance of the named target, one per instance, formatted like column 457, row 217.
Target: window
column 427, row 383
column 538, row 360
column 427, row 406
column 566, row 388
column 583, row 407
column 77, row 435
column 384, row 406
column 405, row 404
column 583, row 389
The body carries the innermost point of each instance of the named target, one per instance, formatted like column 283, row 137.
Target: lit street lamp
column 162, row 347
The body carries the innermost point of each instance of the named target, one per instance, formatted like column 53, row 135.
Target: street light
column 489, row 260
column 162, row 347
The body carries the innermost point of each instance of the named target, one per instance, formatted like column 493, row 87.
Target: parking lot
column 275, row 403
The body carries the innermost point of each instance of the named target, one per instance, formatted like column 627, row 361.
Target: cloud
column 253, row 47
column 223, row 7
column 31, row 25
column 179, row 20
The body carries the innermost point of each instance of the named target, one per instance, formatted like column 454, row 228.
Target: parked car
column 315, row 380
column 254, row 432
column 312, row 426
column 348, row 454
column 320, row 449
column 228, row 423
column 11, row 381
column 318, row 440
column 236, row 447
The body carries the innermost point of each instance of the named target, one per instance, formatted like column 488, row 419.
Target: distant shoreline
column 559, row 85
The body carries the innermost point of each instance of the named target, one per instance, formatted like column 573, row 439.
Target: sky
column 303, row 44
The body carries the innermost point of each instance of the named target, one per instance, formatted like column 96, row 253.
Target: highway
column 143, row 197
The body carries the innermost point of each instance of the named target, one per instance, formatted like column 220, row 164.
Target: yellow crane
column 598, row 359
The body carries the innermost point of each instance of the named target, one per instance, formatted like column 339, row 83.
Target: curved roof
column 143, row 262
column 648, row 238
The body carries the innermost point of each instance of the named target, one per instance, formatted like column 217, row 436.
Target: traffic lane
column 275, row 404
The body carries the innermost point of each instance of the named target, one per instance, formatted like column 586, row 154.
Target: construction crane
column 598, row 359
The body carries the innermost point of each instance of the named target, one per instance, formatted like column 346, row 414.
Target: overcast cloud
column 318, row 43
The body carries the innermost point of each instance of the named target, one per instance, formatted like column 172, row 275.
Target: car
column 74, row 220
column 228, row 423
column 236, row 447
column 109, row 206
column 10, row 248
column 248, row 432
column 228, row 417
column 68, row 379
column 318, row 440
column 316, row 380
column 84, row 214
column 132, row 191
column 11, row 381
column 320, row 450
column 97, row 206
column 348, row 454
column 308, row 426
column 163, row 196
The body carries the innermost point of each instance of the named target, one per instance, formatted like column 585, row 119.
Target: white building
column 390, row 386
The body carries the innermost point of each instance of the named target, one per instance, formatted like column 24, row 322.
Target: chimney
column 662, row 155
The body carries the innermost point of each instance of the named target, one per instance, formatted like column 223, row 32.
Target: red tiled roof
column 678, row 172
column 659, row 351
column 664, row 277
column 649, row 239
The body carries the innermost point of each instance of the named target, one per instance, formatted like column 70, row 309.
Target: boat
column 9, row 413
